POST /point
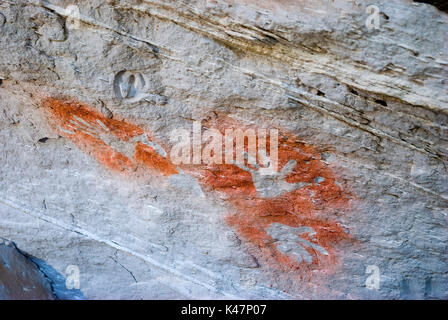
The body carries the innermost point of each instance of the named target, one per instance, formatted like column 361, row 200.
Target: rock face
column 94, row 95
column 20, row 279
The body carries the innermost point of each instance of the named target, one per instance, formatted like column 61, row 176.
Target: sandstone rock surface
column 90, row 96
column 21, row 279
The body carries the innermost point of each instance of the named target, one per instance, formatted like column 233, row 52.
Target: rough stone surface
column 88, row 103
column 20, row 278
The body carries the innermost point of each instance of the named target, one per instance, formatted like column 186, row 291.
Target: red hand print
column 285, row 217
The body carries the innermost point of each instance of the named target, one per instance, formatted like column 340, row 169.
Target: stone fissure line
column 94, row 22
column 129, row 271
column 284, row 87
column 388, row 174
column 113, row 244
column 326, row 67
column 376, row 132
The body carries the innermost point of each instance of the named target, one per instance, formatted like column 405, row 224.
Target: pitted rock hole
column 129, row 86
column 2, row 20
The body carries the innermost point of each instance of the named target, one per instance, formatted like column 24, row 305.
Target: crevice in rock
column 23, row 271
column 439, row 4
column 117, row 262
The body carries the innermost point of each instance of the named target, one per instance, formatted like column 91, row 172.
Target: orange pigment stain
column 314, row 205
column 88, row 130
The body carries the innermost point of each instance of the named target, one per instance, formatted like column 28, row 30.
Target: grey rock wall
column 367, row 109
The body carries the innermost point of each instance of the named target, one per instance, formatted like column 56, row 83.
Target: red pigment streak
column 62, row 112
column 314, row 205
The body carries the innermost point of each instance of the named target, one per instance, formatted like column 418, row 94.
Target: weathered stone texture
column 363, row 114
column 21, row 279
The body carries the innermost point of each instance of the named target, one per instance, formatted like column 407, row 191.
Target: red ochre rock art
column 116, row 144
column 293, row 230
column 290, row 225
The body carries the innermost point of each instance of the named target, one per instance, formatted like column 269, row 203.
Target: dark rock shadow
column 57, row 280
column 442, row 5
